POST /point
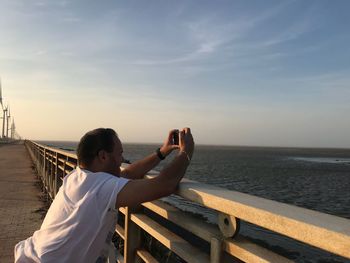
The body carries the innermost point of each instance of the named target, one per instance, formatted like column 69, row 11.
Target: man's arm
column 138, row 169
column 139, row 191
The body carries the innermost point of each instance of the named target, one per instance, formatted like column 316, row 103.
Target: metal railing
column 324, row 231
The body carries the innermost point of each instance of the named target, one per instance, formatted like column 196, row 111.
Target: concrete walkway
column 19, row 199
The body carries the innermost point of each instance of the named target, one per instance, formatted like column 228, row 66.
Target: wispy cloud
column 210, row 35
column 71, row 19
column 295, row 30
column 40, row 3
column 339, row 80
column 40, row 53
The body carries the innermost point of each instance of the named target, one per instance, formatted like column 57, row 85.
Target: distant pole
column 1, row 95
column 7, row 122
column 4, row 111
column 13, row 128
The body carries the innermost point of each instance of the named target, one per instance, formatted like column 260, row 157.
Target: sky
column 257, row 73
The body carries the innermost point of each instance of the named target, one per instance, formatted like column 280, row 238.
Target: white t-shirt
column 80, row 222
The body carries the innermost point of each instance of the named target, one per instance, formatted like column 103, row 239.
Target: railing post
column 132, row 239
column 39, row 160
column 64, row 166
column 42, row 157
column 48, row 172
column 55, row 186
column 40, row 163
column 215, row 250
column 52, row 175
column 44, row 169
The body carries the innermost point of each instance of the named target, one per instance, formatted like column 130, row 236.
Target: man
column 80, row 222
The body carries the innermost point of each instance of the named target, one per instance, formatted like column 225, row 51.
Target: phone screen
column 176, row 138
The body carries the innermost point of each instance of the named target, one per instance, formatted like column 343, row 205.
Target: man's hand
column 168, row 145
column 139, row 191
column 186, row 143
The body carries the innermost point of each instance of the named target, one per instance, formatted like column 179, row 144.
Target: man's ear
column 102, row 155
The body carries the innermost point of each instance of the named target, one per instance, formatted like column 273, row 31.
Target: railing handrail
column 321, row 230
column 60, row 151
column 325, row 231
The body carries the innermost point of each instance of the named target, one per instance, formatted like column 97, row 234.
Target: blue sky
column 269, row 73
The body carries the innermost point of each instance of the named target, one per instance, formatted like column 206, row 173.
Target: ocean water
column 317, row 179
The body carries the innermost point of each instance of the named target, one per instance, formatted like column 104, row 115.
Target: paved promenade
column 19, row 199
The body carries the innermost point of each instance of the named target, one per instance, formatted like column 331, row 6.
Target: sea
column 313, row 178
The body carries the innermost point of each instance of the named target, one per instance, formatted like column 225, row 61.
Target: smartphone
column 176, row 138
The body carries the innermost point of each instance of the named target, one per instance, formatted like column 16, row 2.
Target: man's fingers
column 170, row 135
column 174, row 147
column 182, row 136
column 171, row 132
column 186, row 130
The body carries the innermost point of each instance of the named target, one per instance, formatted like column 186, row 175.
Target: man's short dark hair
column 93, row 142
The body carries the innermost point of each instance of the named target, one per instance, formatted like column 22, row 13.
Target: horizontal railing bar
column 146, row 256
column 173, row 242
column 64, row 170
column 49, row 154
column 120, row 231
column 194, row 225
column 66, row 153
column 62, row 160
column 248, row 251
column 72, row 165
column 206, row 231
column 122, row 210
column 120, row 258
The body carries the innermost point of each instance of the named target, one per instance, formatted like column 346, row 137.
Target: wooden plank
column 120, row 231
column 185, row 220
column 208, row 231
column 120, row 258
column 62, row 160
column 173, row 242
column 70, row 164
column 247, row 251
column 146, row 256
column 122, row 210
